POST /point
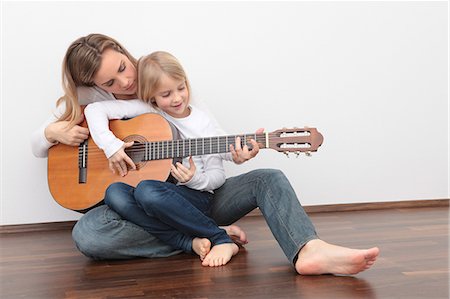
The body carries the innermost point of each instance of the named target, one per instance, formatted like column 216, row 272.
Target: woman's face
column 116, row 75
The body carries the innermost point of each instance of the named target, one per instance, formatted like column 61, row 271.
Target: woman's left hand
column 182, row 173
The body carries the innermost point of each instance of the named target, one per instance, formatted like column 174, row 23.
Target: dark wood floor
column 414, row 263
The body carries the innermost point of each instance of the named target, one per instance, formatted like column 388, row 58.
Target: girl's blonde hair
column 150, row 69
column 80, row 65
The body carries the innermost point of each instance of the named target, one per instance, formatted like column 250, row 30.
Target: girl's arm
column 209, row 174
column 98, row 115
column 210, row 177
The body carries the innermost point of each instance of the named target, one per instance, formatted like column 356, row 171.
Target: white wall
column 371, row 76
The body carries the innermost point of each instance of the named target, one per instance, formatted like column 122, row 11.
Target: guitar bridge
column 82, row 162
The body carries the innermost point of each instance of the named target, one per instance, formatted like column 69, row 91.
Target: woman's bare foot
column 201, row 246
column 220, row 254
column 236, row 234
column 319, row 257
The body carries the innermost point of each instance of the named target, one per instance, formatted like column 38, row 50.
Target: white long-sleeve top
column 209, row 175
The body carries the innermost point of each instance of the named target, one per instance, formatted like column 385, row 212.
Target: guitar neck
column 181, row 148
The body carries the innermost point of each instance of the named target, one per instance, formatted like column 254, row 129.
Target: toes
column 205, row 262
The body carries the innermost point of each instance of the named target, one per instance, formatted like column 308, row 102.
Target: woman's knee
column 273, row 185
column 87, row 232
column 270, row 176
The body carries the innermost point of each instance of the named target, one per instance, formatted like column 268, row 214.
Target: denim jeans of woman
column 103, row 234
column 174, row 214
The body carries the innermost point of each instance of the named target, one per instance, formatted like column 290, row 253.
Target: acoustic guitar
column 79, row 176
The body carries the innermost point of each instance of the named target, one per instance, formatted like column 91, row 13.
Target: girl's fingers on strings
column 112, row 168
column 183, row 172
column 238, row 144
column 130, row 162
column 123, row 168
column 260, row 131
column 255, row 148
column 175, row 173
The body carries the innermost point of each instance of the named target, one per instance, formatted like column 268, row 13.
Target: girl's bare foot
column 220, row 254
column 201, row 246
column 236, row 234
column 319, row 257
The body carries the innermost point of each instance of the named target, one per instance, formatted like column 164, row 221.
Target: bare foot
column 201, row 246
column 220, row 254
column 236, row 234
column 319, row 257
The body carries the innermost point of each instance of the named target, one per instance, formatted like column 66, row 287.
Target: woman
column 102, row 234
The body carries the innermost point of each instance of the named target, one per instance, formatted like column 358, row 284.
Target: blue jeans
column 103, row 234
column 174, row 214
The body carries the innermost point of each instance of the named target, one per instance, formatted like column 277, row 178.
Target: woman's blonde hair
column 80, row 65
column 150, row 69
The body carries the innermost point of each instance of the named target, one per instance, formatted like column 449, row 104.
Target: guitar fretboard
column 180, row 148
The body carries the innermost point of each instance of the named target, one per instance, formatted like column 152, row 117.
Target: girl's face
column 116, row 75
column 172, row 97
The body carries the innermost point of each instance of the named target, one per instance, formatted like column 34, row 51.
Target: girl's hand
column 242, row 154
column 120, row 160
column 183, row 174
column 61, row 132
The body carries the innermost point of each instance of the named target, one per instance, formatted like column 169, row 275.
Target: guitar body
column 64, row 170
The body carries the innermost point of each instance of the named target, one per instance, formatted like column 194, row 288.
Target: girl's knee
column 150, row 185
column 150, row 193
column 117, row 189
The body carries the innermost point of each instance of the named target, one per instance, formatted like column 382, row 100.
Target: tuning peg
column 297, row 154
column 308, row 154
column 287, row 154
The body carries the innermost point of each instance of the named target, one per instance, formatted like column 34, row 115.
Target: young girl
column 176, row 214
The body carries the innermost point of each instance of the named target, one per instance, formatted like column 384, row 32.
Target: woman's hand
column 183, row 174
column 61, row 132
column 242, row 154
column 120, row 160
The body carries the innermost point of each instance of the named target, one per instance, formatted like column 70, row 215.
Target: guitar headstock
column 296, row 140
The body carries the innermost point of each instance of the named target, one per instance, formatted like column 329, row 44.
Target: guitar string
column 165, row 152
column 222, row 142
column 184, row 143
column 165, row 144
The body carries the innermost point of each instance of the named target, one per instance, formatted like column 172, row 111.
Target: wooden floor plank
column 413, row 263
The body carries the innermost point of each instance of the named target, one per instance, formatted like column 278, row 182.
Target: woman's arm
column 54, row 131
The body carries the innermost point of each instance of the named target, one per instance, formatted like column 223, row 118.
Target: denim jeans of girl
column 174, row 214
column 103, row 234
